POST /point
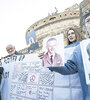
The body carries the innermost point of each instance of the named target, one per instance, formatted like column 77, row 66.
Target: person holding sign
column 74, row 38
column 75, row 63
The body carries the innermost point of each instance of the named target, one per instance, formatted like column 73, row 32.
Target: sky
column 16, row 16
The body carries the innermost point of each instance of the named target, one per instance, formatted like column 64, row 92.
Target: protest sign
column 54, row 51
column 85, row 50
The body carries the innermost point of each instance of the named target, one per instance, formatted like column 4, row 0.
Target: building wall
column 56, row 28
column 55, row 24
column 58, row 23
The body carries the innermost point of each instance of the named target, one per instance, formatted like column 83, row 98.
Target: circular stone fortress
column 58, row 23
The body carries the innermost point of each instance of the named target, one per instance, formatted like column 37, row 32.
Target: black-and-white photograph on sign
column 54, row 51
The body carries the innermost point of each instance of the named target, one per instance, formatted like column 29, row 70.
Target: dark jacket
column 18, row 53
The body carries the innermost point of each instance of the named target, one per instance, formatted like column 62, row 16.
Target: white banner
column 24, row 78
column 85, row 49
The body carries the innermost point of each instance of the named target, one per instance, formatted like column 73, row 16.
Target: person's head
column 10, row 49
column 51, row 45
column 88, row 50
column 73, row 35
column 86, row 19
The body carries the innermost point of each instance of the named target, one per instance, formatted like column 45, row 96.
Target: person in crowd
column 74, row 36
column 73, row 39
column 51, row 58
column 6, row 76
column 12, row 51
column 75, row 63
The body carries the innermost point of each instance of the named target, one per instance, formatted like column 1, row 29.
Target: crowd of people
column 73, row 62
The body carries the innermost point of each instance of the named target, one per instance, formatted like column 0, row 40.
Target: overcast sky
column 17, row 15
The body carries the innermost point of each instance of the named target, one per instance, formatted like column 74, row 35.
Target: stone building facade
column 56, row 24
